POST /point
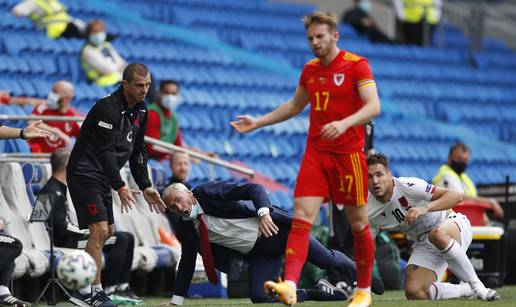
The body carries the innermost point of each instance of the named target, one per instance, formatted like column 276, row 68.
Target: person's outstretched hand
column 245, row 123
column 155, row 202
column 33, row 131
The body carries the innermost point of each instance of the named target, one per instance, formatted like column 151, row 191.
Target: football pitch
column 390, row 298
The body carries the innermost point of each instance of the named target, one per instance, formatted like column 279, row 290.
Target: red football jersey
column 333, row 92
column 50, row 144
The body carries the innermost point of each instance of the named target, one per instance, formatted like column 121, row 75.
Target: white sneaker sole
column 78, row 302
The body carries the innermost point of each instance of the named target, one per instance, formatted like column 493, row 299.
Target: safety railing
column 24, row 157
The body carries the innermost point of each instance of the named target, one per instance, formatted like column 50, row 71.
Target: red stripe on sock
column 436, row 291
column 444, row 252
column 364, row 256
column 297, row 249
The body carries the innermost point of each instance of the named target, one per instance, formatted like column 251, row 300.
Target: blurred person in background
column 453, row 176
column 100, row 61
column 341, row 91
column 418, row 18
column 58, row 103
column 359, row 17
column 163, row 123
column 50, row 15
column 180, row 166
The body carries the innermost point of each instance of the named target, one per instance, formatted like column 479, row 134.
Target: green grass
column 390, row 298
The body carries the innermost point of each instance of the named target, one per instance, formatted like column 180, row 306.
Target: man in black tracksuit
column 112, row 134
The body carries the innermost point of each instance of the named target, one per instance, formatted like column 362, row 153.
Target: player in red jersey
column 58, row 104
column 340, row 88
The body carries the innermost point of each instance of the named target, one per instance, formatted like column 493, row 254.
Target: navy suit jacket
column 224, row 199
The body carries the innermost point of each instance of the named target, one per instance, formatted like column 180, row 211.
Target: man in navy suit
column 242, row 226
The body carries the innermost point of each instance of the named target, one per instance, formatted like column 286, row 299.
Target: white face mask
column 171, row 102
column 53, row 101
column 98, row 38
column 365, row 6
column 194, row 212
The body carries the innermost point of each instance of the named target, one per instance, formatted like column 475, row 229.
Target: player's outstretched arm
column 33, row 130
column 288, row 109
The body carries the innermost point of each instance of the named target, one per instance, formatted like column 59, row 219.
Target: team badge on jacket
column 338, row 79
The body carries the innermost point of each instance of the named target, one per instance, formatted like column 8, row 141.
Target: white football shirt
column 408, row 193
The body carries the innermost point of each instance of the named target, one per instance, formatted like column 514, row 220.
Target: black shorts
column 91, row 199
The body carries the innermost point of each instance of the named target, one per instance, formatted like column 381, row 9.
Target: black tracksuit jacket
column 112, row 134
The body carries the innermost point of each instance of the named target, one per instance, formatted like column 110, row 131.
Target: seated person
column 119, row 256
column 162, row 123
column 52, row 16
column 453, row 176
column 229, row 223
column 360, row 19
column 10, row 249
column 99, row 59
column 58, row 104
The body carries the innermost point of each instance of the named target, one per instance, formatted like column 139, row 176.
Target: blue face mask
column 193, row 213
column 171, row 102
column 365, row 6
column 98, row 38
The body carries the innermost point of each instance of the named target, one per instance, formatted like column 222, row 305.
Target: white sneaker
column 483, row 293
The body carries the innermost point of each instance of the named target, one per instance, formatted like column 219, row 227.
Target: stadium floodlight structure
column 42, row 212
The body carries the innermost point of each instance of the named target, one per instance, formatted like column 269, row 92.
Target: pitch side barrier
column 23, row 157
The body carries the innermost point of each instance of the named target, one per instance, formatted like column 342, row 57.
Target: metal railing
column 24, row 157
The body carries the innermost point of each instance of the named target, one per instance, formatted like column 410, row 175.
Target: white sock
column 458, row 262
column 366, row 290
column 4, row 290
column 110, row 290
column 292, row 284
column 123, row 287
column 444, row 291
column 96, row 289
column 85, row 290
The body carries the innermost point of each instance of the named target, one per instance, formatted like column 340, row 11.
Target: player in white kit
column 423, row 212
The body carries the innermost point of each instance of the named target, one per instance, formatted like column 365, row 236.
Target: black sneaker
column 101, row 300
column 9, row 300
column 327, row 287
column 80, row 300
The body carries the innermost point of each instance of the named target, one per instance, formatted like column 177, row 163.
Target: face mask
column 458, row 167
column 53, row 101
column 193, row 213
column 171, row 102
column 98, row 38
column 365, row 6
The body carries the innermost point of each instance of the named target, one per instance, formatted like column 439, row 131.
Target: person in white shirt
column 424, row 213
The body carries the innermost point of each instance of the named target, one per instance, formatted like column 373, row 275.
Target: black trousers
column 10, row 248
column 119, row 259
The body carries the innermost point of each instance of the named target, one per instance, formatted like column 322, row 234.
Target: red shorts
column 341, row 178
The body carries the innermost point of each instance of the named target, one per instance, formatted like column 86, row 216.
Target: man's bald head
column 66, row 93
